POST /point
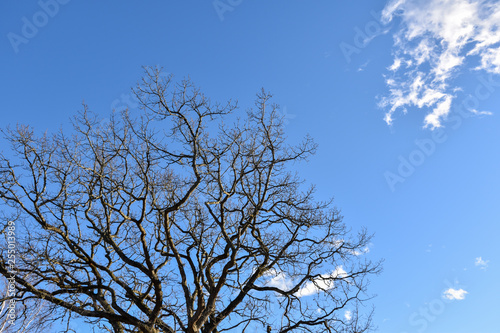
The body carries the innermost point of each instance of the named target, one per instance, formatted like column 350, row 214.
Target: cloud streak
column 435, row 40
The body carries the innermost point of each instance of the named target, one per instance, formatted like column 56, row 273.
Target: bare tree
column 175, row 221
column 30, row 317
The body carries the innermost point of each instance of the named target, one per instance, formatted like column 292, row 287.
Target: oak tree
column 183, row 218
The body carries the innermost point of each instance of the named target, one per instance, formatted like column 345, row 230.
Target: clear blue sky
column 366, row 89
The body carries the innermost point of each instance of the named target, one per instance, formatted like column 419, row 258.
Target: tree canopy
column 179, row 219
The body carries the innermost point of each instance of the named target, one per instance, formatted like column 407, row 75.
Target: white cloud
column 348, row 315
column 322, row 282
column 278, row 280
column 455, row 294
column 395, row 65
column 364, row 250
column 337, row 243
column 440, row 111
column 357, row 252
column 435, row 40
column 481, row 263
column 390, row 9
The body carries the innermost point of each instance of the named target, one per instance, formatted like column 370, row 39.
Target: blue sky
column 402, row 97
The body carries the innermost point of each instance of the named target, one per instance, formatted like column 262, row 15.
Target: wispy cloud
column 481, row 263
column 455, row 294
column 364, row 250
column 363, row 66
column 435, row 39
column 481, row 113
column 355, row 251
